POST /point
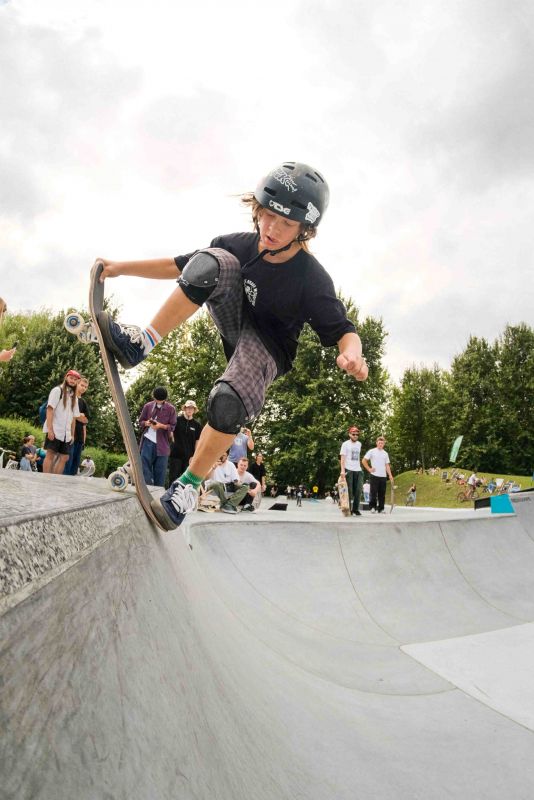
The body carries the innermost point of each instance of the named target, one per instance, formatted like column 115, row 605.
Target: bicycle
column 11, row 462
column 467, row 494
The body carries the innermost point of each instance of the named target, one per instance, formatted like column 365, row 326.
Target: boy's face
column 242, row 465
column 276, row 231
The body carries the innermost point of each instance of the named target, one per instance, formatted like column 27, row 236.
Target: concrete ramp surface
column 295, row 655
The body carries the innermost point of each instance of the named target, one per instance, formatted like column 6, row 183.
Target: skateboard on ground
column 89, row 332
column 344, row 500
column 208, row 502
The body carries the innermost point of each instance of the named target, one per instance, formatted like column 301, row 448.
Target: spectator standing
column 257, row 468
column 28, row 454
column 411, row 497
column 186, row 436
column 351, row 468
column 61, row 413
column 80, row 429
column 379, row 470
column 157, row 422
column 242, row 441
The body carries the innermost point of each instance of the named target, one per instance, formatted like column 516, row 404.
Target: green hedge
column 13, row 431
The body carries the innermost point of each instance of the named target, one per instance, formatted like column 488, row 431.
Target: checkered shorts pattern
column 252, row 369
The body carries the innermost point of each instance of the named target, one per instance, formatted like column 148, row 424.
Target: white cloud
column 127, row 129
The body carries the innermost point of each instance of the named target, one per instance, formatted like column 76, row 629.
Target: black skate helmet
column 295, row 191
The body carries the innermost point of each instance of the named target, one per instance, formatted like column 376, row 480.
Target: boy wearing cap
column 351, row 469
column 186, row 435
column 61, row 412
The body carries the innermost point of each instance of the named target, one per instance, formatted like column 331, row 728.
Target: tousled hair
column 307, row 232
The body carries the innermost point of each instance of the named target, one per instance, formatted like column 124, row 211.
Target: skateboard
column 344, row 500
column 392, row 497
column 88, row 333
column 209, row 503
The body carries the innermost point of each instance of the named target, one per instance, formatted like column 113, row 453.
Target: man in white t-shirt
column 351, row 468
column 379, row 471
column 232, row 485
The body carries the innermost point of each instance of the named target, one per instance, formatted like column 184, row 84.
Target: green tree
column 308, row 410
column 474, row 405
column 418, row 428
column 514, row 421
column 45, row 352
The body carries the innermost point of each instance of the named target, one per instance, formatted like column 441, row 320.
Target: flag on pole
column 455, row 448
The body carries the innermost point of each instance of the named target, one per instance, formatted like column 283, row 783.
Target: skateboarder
column 260, row 288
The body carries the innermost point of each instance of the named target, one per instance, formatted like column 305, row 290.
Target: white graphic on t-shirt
column 286, row 180
column 251, row 291
column 313, row 213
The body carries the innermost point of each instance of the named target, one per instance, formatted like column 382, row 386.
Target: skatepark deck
column 267, row 656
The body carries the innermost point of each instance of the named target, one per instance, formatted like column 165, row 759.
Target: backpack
column 43, row 407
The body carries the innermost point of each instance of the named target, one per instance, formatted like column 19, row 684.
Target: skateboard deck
column 344, row 500
column 96, row 306
column 392, row 497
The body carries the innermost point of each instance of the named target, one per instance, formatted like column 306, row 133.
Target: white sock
column 150, row 338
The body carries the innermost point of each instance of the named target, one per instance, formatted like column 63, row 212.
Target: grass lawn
column 433, row 491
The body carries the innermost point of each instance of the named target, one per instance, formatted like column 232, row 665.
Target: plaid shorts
column 251, row 369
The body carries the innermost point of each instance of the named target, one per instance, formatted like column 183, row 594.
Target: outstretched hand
column 353, row 364
column 7, row 355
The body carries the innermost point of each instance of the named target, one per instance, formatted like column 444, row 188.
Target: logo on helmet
column 313, row 214
column 279, row 207
column 286, row 180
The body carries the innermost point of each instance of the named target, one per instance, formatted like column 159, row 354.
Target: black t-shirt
column 258, row 470
column 186, row 433
column 282, row 297
column 79, row 426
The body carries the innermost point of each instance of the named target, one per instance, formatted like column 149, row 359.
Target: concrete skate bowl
column 321, row 660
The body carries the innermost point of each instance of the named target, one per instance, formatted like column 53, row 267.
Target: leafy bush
column 13, row 431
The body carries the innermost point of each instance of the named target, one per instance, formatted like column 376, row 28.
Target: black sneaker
column 126, row 342
column 248, row 507
column 179, row 499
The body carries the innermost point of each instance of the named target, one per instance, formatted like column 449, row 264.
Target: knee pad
column 225, row 409
column 199, row 277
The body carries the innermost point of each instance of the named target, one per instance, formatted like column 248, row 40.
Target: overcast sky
column 127, row 132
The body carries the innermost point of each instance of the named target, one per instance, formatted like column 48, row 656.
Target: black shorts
column 57, row 446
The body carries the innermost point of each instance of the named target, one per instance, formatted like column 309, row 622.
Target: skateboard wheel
column 73, row 322
column 118, row 481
